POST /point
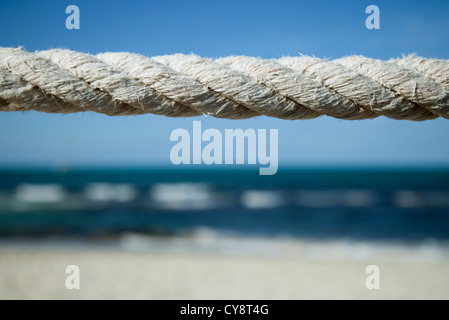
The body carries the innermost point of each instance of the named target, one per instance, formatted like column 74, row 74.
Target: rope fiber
column 235, row 87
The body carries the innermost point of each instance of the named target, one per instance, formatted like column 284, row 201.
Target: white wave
column 335, row 198
column 212, row 242
column 421, row 199
column 110, row 192
column 40, row 193
column 260, row 199
column 183, row 196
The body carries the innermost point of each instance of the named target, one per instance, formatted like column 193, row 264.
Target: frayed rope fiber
column 236, row 87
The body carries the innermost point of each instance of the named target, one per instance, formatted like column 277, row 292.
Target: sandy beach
column 38, row 272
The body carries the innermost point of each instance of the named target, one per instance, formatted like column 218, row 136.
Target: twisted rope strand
column 236, row 87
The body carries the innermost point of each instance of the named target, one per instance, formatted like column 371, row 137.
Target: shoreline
column 307, row 271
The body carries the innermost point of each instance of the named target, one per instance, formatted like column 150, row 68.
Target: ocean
column 375, row 205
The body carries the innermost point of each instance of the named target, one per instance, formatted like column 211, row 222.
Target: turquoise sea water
column 363, row 204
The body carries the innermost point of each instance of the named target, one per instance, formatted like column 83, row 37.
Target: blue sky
column 268, row 29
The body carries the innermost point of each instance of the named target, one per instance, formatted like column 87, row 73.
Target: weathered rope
column 236, row 87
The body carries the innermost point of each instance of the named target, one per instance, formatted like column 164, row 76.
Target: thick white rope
column 236, row 87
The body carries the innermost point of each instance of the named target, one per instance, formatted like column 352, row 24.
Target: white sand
column 38, row 272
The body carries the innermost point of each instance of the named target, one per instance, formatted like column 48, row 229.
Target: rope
column 236, row 87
